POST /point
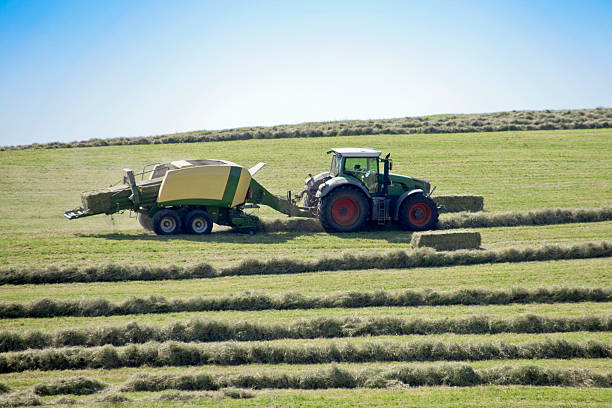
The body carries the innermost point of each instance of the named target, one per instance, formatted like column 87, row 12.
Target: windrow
column 90, row 307
column 422, row 257
column 454, row 375
column 547, row 216
column 210, row 330
column 196, row 354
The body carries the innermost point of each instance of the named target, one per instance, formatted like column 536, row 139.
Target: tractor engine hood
column 410, row 181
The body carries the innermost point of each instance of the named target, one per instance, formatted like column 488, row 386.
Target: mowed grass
column 514, row 171
column 574, row 273
column 118, row 376
column 479, row 396
column 229, row 248
column 289, row 316
column 491, row 396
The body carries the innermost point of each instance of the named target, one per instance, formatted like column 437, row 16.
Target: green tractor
column 354, row 191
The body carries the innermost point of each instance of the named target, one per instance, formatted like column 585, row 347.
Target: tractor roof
column 355, row 152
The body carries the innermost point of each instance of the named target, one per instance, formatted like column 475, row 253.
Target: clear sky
column 74, row 70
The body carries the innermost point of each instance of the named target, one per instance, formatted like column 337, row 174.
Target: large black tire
column 344, row 209
column 166, row 222
column 198, row 222
column 418, row 213
column 145, row 221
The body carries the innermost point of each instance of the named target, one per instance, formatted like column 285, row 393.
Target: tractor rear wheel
column 198, row 222
column 166, row 222
column 344, row 209
column 418, row 213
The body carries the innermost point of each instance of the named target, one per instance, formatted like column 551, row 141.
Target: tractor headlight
column 426, row 187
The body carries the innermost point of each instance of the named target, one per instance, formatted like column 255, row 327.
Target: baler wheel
column 418, row 213
column 198, row 222
column 344, row 209
column 145, row 221
column 166, row 222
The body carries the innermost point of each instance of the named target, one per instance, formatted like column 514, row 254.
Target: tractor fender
column 404, row 196
column 336, row 182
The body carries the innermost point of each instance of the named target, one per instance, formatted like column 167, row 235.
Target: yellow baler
column 188, row 196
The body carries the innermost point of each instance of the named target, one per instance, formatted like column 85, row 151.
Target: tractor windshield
column 335, row 166
column 365, row 169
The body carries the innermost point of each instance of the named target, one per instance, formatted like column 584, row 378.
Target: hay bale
column 446, row 240
column 97, row 201
column 458, row 203
column 117, row 198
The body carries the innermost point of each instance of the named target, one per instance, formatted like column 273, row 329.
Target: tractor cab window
column 365, row 169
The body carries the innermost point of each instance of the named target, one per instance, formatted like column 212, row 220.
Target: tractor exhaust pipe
column 386, row 179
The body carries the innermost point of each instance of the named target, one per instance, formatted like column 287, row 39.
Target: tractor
column 354, row 192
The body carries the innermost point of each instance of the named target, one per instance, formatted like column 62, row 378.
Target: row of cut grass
column 335, row 377
column 117, row 376
column 289, row 316
column 50, row 307
column 421, row 257
column 548, row 216
column 209, row 330
column 530, row 275
column 191, row 354
column 475, row 122
column 576, row 336
column 24, row 251
column 490, row 396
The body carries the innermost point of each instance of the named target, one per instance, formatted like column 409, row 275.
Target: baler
column 188, row 196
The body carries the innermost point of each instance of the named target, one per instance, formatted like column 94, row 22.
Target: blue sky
column 74, row 70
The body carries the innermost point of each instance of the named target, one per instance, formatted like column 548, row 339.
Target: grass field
column 514, row 171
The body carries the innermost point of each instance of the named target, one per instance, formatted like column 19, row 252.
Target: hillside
column 450, row 123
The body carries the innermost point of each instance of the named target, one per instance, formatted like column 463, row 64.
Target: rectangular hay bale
column 97, row 201
column 458, row 203
column 117, row 198
column 446, row 240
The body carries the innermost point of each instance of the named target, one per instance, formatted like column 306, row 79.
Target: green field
column 514, row 171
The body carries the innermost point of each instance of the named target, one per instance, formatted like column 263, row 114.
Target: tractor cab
column 361, row 164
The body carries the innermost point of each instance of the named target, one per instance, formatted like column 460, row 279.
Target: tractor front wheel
column 418, row 213
column 198, row 222
column 344, row 209
column 166, row 222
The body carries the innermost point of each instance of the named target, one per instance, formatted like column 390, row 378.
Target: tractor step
column 380, row 210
